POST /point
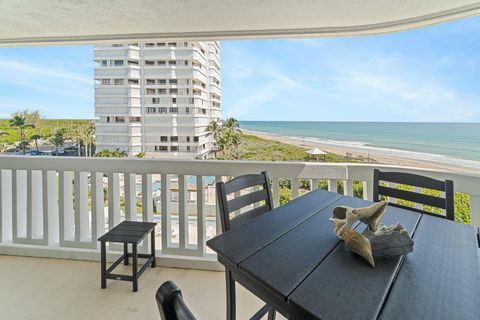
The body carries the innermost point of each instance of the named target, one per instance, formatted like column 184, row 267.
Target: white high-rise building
column 157, row 98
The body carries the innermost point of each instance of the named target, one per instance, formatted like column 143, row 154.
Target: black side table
column 127, row 232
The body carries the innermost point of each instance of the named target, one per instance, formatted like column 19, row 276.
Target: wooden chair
column 263, row 199
column 446, row 202
column 170, row 303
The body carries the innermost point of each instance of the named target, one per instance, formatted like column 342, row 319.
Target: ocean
column 444, row 142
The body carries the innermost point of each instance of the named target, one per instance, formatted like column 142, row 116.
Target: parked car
column 70, row 149
column 59, row 152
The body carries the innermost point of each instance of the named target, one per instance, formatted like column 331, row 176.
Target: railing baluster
column 182, row 214
column 200, row 216
column 217, row 210
column 50, row 207
column 294, row 188
column 81, row 206
column 367, row 190
column 66, row 207
column 147, row 198
column 314, row 184
column 332, row 185
column 275, row 192
column 348, row 187
column 130, row 190
column 166, row 219
column 98, row 207
column 475, row 210
column 30, row 190
column 113, row 200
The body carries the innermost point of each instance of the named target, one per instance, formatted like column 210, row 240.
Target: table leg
column 125, row 252
column 134, row 267
column 152, row 236
column 103, row 263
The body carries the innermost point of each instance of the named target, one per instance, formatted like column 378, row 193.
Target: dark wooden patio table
column 291, row 259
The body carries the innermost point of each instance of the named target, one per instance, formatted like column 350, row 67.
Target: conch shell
column 385, row 241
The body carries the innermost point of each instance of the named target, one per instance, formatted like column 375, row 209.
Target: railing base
column 168, row 261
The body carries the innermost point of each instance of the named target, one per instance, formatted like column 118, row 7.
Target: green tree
column 20, row 122
column 35, row 137
column 58, row 139
column 111, row 154
column 88, row 137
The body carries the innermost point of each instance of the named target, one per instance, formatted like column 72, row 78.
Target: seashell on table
column 377, row 239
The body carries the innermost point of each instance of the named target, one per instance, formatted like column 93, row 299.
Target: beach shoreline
column 377, row 155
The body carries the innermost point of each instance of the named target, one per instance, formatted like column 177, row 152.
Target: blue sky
column 430, row 74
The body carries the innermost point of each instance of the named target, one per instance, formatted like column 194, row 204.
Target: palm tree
column 214, row 129
column 231, row 124
column 20, row 122
column 35, row 138
column 88, row 137
column 235, row 142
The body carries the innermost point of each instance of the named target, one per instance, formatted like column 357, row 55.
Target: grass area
column 44, row 127
column 255, row 148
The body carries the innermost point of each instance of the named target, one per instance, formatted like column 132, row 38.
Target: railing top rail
column 464, row 182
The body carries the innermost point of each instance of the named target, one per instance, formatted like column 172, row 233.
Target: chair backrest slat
column 246, row 216
column 446, row 202
column 245, row 200
column 240, row 201
column 243, row 182
column 412, row 196
column 412, row 180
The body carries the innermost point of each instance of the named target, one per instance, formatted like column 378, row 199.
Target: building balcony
column 45, row 219
column 116, row 53
column 109, row 72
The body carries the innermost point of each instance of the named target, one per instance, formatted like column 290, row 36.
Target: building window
column 187, row 111
column 118, row 62
column 118, row 82
column 162, row 91
column 174, row 148
column 108, row 119
column 155, row 100
column 151, row 110
column 195, row 139
column 161, row 44
column 173, row 91
column 172, row 44
column 150, row 91
column 156, row 148
column 149, row 63
column 188, row 148
column 104, row 63
column 173, row 110
column 163, row 139
column 132, row 63
column 173, row 81
column 106, row 82
column 174, row 100
column 150, row 81
column 186, row 62
column 174, row 139
column 120, row 119
column 172, row 63
column 185, row 44
column 163, row 148
column 163, row 110
column 149, row 44
column 188, row 139
column 162, row 81
column 132, row 81
column 162, row 63
column 134, row 119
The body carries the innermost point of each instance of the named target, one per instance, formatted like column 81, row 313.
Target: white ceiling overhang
column 30, row 22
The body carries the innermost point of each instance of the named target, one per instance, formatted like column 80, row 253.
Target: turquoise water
column 458, row 140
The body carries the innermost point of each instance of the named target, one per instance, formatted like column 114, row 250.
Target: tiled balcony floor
column 37, row 288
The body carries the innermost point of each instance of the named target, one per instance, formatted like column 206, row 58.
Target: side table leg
column 134, row 267
column 153, row 248
column 125, row 252
column 103, row 263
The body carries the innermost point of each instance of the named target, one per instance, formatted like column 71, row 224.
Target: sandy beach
column 379, row 155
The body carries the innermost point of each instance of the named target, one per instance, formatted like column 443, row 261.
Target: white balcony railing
column 58, row 207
